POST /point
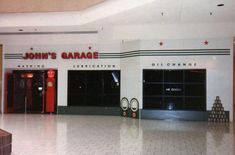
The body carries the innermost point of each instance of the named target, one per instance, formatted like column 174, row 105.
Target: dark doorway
column 26, row 91
column 174, row 89
column 94, row 88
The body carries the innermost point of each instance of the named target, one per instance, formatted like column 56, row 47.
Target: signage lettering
column 31, row 66
column 94, row 66
column 190, row 64
column 40, row 55
column 173, row 89
column 79, row 55
column 64, row 55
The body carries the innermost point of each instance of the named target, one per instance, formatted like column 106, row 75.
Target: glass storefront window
column 174, row 89
column 94, row 88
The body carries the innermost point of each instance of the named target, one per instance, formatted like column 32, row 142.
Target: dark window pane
column 111, row 87
column 111, row 82
column 194, row 90
column 94, row 88
column 153, row 76
column 197, row 75
column 76, row 82
column 153, row 89
column 173, row 76
column 153, row 103
column 75, row 99
column 94, row 76
column 112, row 76
column 195, row 103
column 111, row 100
column 93, row 100
column 173, row 103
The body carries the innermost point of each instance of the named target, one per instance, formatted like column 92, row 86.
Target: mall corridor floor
column 113, row 135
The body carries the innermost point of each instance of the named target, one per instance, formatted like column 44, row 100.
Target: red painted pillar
column 50, row 92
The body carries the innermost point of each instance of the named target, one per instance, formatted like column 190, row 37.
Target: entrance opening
column 29, row 91
column 94, row 88
column 174, row 89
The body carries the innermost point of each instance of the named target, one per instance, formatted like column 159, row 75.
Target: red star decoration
column 89, row 47
column 161, row 43
column 206, row 42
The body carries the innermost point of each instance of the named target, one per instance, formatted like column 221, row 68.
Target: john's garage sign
column 64, row 55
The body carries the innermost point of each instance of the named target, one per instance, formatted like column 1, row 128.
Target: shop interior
column 100, row 88
column 30, row 91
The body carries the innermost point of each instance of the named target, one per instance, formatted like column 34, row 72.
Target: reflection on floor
column 111, row 135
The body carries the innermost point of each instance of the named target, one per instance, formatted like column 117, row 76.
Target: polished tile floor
column 111, row 135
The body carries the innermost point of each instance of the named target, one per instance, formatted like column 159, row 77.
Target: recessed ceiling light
column 219, row 5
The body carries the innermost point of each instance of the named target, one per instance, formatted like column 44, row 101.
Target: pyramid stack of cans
column 217, row 113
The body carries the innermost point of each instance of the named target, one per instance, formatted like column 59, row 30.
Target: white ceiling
column 124, row 12
column 177, row 11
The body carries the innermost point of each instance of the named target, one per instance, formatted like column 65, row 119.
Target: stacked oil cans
column 217, row 113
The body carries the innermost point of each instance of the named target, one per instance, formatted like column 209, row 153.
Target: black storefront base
column 176, row 115
column 82, row 110
column 143, row 113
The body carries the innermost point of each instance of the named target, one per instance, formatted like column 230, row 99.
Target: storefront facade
column 179, row 80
